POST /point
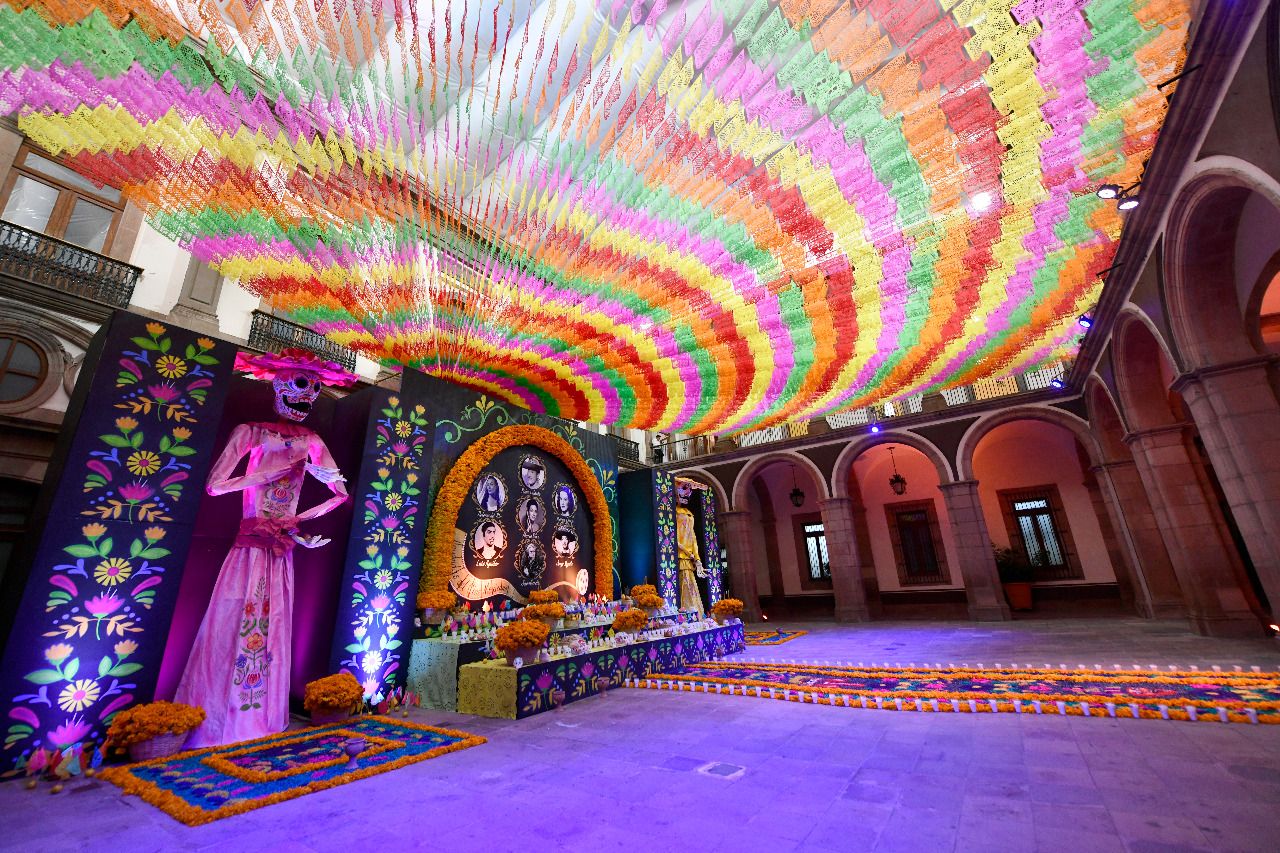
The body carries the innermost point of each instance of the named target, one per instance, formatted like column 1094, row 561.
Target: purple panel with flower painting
column 384, row 554
column 121, row 496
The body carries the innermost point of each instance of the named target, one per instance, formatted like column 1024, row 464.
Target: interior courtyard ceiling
column 704, row 216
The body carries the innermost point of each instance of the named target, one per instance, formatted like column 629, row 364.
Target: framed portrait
column 564, row 541
column 564, row 501
column 531, row 562
column 531, row 515
column 533, row 473
column 488, row 539
column 490, row 492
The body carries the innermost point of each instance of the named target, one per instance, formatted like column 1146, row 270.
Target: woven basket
column 158, row 746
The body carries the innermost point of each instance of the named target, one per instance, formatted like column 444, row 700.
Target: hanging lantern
column 897, row 482
column 797, row 494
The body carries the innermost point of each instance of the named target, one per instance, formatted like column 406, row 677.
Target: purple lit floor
column 632, row 771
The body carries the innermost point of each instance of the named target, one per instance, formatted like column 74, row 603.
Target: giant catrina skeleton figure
column 239, row 667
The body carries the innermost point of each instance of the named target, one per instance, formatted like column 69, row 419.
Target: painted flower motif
column 79, row 695
column 163, row 393
column 249, row 609
column 112, row 571
column 359, row 632
column 154, row 534
column 136, row 491
column 155, row 329
column 370, row 686
column 103, row 605
column 382, row 579
column 181, row 433
column 124, row 648
column 171, row 367
column 371, row 550
column 72, row 731
column 402, row 552
column 371, row 662
column 404, row 429
column 266, row 607
column 126, row 424
column 57, row 653
column 253, row 679
column 255, row 642
column 204, row 343
column 399, row 448
column 380, row 603
column 142, row 463
column 390, row 522
column 393, row 501
column 93, row 531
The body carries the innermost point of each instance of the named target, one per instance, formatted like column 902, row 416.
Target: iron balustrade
column 274, row 333
column 628, row 450
column 33, row 257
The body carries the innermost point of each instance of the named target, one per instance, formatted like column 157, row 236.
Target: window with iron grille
column 917, row 543
column 46, row 196
column 1037, row 527
column 815, row 551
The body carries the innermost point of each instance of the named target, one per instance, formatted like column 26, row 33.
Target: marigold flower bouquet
column 643, row 589
column 521, row 638
column 727, row 608
column 153, row 730
column 435, row 604
column 548, row 613
column 630, row 621
column 332, row 698
column 544, row 596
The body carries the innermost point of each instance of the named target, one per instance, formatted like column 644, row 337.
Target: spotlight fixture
column 897, row 482
column 797, row 494
column 1086, row 320
column 1125, row 197
column 875, row 428
column 982, row 201
column 1057, row 384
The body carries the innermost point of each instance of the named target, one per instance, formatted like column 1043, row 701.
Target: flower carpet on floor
column 772, row 638
column 204, row 785
column 1240, row 697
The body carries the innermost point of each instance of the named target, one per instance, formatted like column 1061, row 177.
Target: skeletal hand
column 324, row 474
column 308, row 541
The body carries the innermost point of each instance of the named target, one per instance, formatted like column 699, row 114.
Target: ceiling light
column 875, row 428
column 1057, row 384
column 1085, row 320
column 982, row 201
column 1108, row 191
column 1128, row 202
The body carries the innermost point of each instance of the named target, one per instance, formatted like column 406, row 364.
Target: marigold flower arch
column 438, row 564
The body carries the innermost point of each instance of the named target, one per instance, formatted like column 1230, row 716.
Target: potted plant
column 647, row 599
column 549, row 614
column 725, row 609
column 333, row 698
column 435, row 605
column 521, row 639
column 630, row 621
column 1015, row 576
column 153, row 730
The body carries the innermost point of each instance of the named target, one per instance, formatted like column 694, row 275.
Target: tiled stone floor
column 628, row 771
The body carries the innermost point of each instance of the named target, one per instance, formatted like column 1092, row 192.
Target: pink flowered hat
column 267, row 366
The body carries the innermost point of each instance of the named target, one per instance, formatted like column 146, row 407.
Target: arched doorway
column 783, row 494
column 1214, row 580
column 1041, row 499
column 906, row 532
column 1158, row 595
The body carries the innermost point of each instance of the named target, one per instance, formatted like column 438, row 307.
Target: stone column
column 846, row 563
column 1156, row 585
column 735, row 534
column 1234, row 407
column 1188, row 524
column 1126, row 582
column 197, row 306
column 973, row 552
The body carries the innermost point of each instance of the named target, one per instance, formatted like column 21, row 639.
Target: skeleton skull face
column 295, row 392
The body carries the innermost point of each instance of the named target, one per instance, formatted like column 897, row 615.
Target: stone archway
column 742, row 482
column 1157, row 593
column 1194, row 531
column 844, row 462
column 1047, row 414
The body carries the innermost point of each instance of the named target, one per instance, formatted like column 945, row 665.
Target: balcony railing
column 628, row 451
column 982, row 391
column 32, row 257
column 274, row 334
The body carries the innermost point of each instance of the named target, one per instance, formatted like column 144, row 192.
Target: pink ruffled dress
column 239, row 666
